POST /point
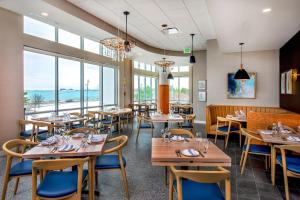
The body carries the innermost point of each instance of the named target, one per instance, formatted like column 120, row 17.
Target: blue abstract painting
column 241, row 89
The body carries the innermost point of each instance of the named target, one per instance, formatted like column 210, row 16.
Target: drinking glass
column 168, row 135
column 205, row 145
column 163, row 134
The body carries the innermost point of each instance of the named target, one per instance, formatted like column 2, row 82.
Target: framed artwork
column 282, row 83
column 241, row 89
column 289, row 82
column 202, row 85
column 202, row 96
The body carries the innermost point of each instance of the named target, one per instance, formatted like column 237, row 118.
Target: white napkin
column 66, row 147
column 49, row 141
column 293, row 138
column 266, row 132
column 96, row 138
column 190, row 152
column 177, row 138
column 78, row 135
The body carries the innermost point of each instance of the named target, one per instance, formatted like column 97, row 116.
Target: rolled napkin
column 50, row 141
column 266, row 132
column 177, row 138
column 66, row 148
column 190, row 152
column 78, row 135
column 285, row 131
column 293, row 138
column 95, row 138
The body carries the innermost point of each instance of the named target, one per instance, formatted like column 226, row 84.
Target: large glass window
column 136, row 88
column 69, row 84
column 39, row 29
column 91, row 85
column 148, row 89
column 174, row 89
column 39, row 82
column 184, row 89
column 108, row 86
column 142, row 88
column 67, row 38
column 91, row 46
column 154, row 88
column 145, row 88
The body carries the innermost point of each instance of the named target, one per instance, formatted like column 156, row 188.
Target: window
column 68, row 84
column 174, row 89
column 91, row 85
column 142, row 66
column 148, row 67
column 174, row 69
column 107, row 52
column 67, row 38
column 136, row 64
column 39, row 29
column 91, row 46
column 142, row 88
column 184, row 69
column 109, row 89
column 153, row 68
column 179, row 89
column 39, row 82
column 154, row 89
column 136, row 88
column 148, row 89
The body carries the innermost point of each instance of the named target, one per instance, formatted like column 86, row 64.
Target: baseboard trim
column 199, row 122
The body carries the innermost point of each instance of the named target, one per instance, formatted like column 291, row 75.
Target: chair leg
column 244, row 161
column 286, row 185
column 16, row 185
column 152, row 132
column 216, row 137
column 226, row 141
column 137, row 136
column 171, row 189
column 266, row 163
column 240, row 139
column 125, row 182
column 6, row 178
column 96, row 178
column 242, row 157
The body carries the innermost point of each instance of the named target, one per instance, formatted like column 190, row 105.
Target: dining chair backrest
column 77, row 114
column 250, row 135
column 121, row 142
column 22, row 126
column 58, row 164
column 16, row 147
column 39, row 124
column 177, row 131
column 214, row 176
column 222, row 121
column 84, row 130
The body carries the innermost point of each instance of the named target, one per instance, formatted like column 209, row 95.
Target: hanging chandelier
column 164, row 63
column 119, row 45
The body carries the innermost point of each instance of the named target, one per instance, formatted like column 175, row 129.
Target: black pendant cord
column 126, row 27
column 192, row 44
column 241, row 44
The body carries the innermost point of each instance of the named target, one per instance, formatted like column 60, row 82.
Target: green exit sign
column 187, row 50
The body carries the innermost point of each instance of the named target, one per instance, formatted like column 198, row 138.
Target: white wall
column 11, row 74
column 198, row 73
column 264, row 63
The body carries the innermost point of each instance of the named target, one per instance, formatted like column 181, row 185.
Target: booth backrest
column 214, row 111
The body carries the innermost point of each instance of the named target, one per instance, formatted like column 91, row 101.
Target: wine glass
column 168, row 135
column 205, row 145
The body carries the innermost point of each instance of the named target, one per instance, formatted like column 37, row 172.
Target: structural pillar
column 163, row 92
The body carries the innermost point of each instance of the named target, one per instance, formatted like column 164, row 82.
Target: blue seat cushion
column 21, row 168
column 292, row 163
column 145, row 125
column 194, row 190
column 225, row 129
column 108, row 162
column 108, row 121
column 27, row 133
column 59, row 184
column 42, row 136
column 254, row 148
column 76, row 126
column 187, row 125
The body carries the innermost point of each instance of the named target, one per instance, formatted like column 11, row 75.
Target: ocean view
column 64, row 95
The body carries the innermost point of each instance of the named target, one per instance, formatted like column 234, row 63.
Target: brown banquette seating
column 214, row 111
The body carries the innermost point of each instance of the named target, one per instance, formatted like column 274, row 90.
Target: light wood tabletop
column 59, row 119
column 117, row 111
column 164, row 154
column 237, row 119
column 166, row 118
column 40, row 151
column 279, row 138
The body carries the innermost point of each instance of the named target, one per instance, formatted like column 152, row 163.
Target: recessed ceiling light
column 266, row 10
column 44, row 14
column 169, row 30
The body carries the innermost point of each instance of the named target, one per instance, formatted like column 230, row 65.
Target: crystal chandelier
column 119, row 45
column 164, row 63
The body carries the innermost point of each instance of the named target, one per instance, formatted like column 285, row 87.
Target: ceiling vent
column 169, row 30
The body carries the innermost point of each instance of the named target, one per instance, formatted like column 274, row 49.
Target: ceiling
column 147, row 16
column 228, row 21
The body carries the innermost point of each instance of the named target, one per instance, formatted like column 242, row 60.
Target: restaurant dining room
column 150, row 99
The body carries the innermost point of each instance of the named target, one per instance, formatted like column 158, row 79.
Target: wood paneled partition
column 163, row 98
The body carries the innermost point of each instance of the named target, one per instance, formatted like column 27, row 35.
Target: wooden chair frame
column 221, row 121
column 38, row 125
column 112, row 123
column 199, row 176
column 191, row 119
column 184, row 132
column 10, row 154
column 44, row 166
column 286, row 173
column 250, row 136
column 140, row 120
column 121, row 142
column 22, row 124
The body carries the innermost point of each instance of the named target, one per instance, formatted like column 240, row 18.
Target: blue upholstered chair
column 15, row 149
column 46, row 126
column 78, row 124
column 144, row 123
column 56, row 184
column 109, row 161
column 249, row 148
column 290, row 164
column 196, row 185
column 188, row 123
column 224, row 127
column 28, row 133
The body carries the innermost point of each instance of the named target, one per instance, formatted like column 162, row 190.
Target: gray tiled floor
column 147, row 182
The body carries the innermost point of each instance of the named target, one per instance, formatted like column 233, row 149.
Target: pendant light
column 170, row 76
column 126, row 42
column 192, row 57
column 241, row 74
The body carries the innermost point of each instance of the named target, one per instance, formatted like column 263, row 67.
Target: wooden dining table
column 91, row 151
column 164, row 154
column 59, row 119
column 277, row 139
column 117, row 112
